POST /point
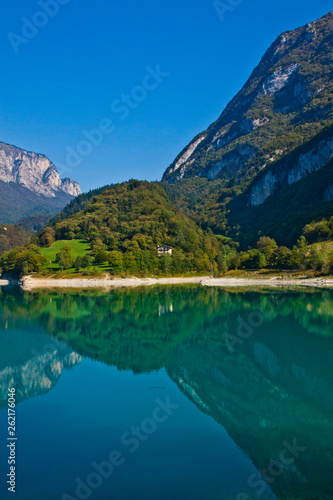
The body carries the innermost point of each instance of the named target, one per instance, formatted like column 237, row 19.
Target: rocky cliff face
column 286, row 101
column 30, row 186
column 37, row 375
column 34, row 172
column 311, row 157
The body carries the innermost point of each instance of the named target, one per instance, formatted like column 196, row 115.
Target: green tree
column 78, row 263
column 222, row 265
column 203, row 264
column 101, row 256
column 299, row 254
column 268, row 247
column 47, row 237
column 22, row 260
column 165, row 262
column 63, row 259
column 86, row 262
column 283, row 258
column 130, row 263
column 115, row 260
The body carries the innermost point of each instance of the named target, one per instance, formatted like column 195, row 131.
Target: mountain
column 275, row 132
column 131, row 220
column 12, row 236
column 286, row 100
column 31, row 185
column 34, row 223
column 81, row 201
column 33, row 171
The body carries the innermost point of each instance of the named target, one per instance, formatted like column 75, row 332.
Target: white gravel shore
column 31, row 283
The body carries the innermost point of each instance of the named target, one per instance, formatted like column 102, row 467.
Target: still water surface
column 184, row 393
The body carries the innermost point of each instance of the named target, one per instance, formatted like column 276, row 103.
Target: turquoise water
column 168, row 393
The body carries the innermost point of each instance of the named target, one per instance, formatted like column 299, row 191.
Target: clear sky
column 161, row 71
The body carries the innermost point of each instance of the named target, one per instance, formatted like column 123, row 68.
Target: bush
column 22, row 261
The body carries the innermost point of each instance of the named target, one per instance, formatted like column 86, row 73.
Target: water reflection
column 260, row 364
column 31, row 361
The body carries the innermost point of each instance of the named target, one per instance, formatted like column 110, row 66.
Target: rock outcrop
column 34, row 172
column 30, row 185
column 311, row 157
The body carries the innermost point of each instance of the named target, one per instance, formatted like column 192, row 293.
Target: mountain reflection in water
column 259, row 363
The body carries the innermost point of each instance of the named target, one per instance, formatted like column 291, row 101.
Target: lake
column 183, row 393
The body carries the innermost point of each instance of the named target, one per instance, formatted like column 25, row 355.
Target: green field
column 82, row 247
column 79, row 249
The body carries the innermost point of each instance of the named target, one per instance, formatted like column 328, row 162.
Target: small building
column 164, row 249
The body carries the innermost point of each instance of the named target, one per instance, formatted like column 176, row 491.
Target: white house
column 164, row 249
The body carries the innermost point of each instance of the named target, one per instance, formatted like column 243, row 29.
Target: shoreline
column 29, row 283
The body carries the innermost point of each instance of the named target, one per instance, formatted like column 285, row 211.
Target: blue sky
column 145, row 76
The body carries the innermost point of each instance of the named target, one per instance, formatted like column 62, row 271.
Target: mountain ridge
column 16, row 165
column 286, row 83
column 276, row 132
column 31, row 185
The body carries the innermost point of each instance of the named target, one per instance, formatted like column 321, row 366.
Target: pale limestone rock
column 33, row 171
column 232, row 162
column 264, row 188
column 304, row 164
column 275, row 82
column 281, row 42
column 187, row 153
column 311, row 160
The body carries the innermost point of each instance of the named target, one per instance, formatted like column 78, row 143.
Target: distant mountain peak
column 33, row 171
column 30, row 185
